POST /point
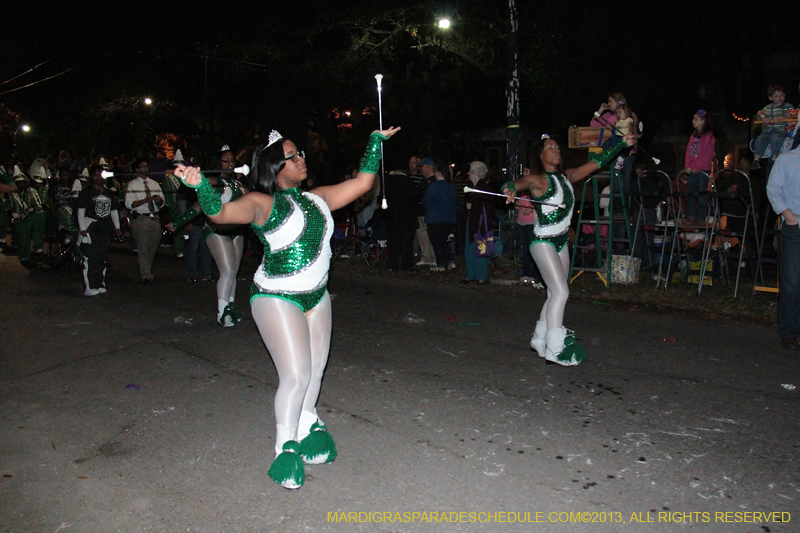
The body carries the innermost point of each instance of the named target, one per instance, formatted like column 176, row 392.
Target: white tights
column 554, row 267
column 299, row 344
column 227, row 254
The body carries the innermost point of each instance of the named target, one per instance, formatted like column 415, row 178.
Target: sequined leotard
column 297, row 250
column 552, row 223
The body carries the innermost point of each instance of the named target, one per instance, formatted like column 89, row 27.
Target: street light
column 444, row 23
column 147, row 101
column 25, row 128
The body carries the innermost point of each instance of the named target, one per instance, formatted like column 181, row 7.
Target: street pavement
column 134, row 411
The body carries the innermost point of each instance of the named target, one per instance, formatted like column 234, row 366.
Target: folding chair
column 655, row 222
column 735, row 218
column 689, row 238
column 345, row 241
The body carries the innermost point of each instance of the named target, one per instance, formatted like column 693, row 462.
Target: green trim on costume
column 558, row 242
column 372, row 155
column 609, row 154
column 306, row 302
column 510, row 186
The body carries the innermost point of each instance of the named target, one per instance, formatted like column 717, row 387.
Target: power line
column 29, row 70
column 40, row 81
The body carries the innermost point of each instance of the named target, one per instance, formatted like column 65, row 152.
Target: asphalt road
column 134, row 411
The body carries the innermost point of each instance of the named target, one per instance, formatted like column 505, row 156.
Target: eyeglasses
column 296, row 156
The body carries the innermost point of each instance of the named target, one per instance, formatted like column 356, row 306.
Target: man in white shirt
column 143, row 199
column 783, row 191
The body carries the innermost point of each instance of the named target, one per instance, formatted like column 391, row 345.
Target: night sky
column 249, row 67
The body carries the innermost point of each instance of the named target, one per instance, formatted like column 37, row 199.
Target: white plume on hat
column 38, row 170
column 178, row 159
column 85, row 173
column 225, row 148
column 103, row 163
column 17, row 171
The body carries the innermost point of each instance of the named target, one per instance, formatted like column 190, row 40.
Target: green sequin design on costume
column 300, row 254
column 209, row 200
column 372, row 156
column 558, row 242
column 609, row 154
column 557, row 215
column 5, row 178
column 187, row 216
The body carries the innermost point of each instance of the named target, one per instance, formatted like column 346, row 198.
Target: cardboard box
column 585, row 137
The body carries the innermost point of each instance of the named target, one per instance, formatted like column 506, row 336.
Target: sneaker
column 422, row 262
column 179, row 256
column 437, row 269
column 192, row 280
column 91, row 292
column 451, row 265
column 102, row 290
column 755, row 165
column 208, row 278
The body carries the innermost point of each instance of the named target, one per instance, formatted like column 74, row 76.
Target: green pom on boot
column 562, row 347
column 573, row 353
column 229, row 317
column 287, row 469
column 318, row 447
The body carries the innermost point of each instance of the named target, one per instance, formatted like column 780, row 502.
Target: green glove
column 609, row 154
column 209, row 200
column 372, row 156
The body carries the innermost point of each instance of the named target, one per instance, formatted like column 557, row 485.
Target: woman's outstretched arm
column 342, row 194
column 252, row 207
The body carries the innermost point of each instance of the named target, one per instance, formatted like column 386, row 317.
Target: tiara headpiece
column 274, row 137
column 225, row 148
column 701, row 113
column 544, row 136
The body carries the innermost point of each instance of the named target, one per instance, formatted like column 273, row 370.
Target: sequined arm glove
column 185, row 218
column 209, row 200
column 609, row 154
column 372, row 156
column 509, row 186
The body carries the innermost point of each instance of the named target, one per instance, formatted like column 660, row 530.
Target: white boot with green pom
column 287, row 468
column 562, row 348
column 537, row 341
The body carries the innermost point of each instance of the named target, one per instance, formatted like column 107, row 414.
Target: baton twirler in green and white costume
column 289, row 298
column 226, row 243
column 555, row 200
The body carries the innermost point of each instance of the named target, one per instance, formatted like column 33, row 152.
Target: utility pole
column 512, row 96
column 204, row 144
